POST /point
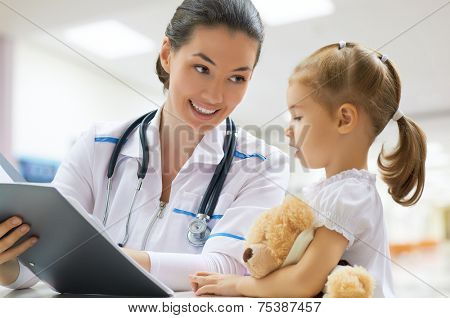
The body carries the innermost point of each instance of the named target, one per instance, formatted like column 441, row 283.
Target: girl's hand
column 204, row 283
column 141, row 257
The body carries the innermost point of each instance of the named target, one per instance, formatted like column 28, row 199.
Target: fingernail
column 24, row 229
column 33, row 240
column 15, row 221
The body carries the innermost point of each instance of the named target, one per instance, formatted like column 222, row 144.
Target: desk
column 42, row 290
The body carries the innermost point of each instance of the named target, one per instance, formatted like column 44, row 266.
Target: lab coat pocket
column 184, row 209
column 224, row 202
column 189, row 203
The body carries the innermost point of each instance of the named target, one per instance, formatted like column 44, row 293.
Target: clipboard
column 74, row 254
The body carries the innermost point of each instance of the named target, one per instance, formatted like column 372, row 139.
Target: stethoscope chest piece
column 198, row 231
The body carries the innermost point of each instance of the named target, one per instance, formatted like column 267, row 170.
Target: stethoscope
column 198, row 229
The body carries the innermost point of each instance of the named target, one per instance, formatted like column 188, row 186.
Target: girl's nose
column 288, row 132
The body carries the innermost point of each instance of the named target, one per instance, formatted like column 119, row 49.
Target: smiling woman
column 207, row 58
column 205, row 85
column 206, row 61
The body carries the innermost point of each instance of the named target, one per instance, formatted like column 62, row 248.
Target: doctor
column 156, row 212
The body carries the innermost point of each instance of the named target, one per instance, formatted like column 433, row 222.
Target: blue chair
column 38, row 169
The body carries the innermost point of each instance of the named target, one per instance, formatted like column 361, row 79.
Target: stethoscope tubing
column 214, row 188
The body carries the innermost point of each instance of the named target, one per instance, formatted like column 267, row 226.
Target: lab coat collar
column 209, row 150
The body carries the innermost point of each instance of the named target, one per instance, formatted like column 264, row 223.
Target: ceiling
column 419, row 46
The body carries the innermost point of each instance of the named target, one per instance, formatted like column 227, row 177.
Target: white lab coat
column 256, row 182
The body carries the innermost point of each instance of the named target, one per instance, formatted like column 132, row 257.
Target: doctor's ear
column 347, row 118
column 165, row 54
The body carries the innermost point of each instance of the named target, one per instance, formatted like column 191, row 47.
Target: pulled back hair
column 237, row 15
column 354, row 74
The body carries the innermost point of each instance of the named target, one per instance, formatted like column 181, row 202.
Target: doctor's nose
column 213, row 94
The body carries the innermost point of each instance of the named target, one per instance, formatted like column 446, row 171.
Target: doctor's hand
column 204, row 283
column 11, row 230
column 140, row 257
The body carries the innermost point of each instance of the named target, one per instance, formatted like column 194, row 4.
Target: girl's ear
column 347, row 116
column 165, row 54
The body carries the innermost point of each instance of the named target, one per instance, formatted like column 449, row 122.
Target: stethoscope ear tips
column 120, row 245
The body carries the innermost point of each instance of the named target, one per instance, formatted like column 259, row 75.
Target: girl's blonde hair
column 356, row 75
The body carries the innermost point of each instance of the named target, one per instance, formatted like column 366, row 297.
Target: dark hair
column 238, row 15
column 359, row 76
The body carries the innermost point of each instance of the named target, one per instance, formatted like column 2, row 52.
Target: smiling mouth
column 201, row 110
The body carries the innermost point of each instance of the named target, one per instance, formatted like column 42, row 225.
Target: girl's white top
column 349, row 204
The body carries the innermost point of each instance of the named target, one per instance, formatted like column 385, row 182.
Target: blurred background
column 66, row 64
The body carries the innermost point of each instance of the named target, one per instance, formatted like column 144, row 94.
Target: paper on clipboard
column 4, row 178
column 8, row 174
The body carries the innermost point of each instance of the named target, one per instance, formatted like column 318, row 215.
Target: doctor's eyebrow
column 209, row 60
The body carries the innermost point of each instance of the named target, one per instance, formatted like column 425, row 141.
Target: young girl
column 340, row 98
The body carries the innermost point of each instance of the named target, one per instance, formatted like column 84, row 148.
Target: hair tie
column 384, row 58
column 342, row 44
column 397, row 115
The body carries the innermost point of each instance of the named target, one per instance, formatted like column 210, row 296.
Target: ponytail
column 403, row 170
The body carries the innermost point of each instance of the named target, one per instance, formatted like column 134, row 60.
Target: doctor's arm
column 304, row 279
column 74, row 178
column 222, row 253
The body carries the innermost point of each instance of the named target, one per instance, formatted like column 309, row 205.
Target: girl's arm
column 304, row 279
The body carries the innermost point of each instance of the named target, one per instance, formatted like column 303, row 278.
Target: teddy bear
column 280, row 236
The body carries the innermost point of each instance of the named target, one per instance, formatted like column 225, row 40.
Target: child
column 340, row 98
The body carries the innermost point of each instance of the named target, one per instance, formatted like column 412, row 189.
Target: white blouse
column 349, row 204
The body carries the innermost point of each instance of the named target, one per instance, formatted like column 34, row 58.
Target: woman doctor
column 206, row 61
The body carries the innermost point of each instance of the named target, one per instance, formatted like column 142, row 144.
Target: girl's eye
column 201, row 69
column 297, row 118
column 237, row 79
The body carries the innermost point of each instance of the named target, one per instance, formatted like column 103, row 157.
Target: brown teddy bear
column 280, row 236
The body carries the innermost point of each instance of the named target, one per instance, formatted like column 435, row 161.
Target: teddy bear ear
column 257, row 231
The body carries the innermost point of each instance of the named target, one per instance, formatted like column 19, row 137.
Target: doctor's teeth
column 203, row 110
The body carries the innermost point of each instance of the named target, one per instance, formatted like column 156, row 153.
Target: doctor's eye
column 298, row 118
column 237, row 79
column 201, row 69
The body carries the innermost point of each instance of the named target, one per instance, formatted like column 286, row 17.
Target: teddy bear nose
column 248, row 253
